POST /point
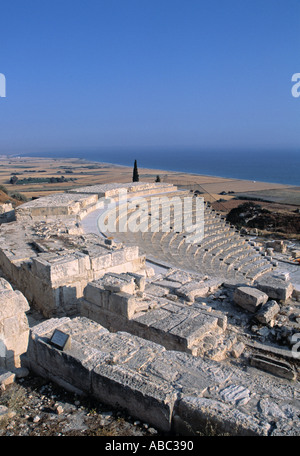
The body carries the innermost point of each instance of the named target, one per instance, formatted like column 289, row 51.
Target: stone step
column 248, row 260
column 258, row 266
column 234, row 250
column 254, row 275
column 226, row 249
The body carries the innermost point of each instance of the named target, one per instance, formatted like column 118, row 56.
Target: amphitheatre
column 178, row 329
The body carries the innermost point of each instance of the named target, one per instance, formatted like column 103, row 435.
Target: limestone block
column 160, row 387
column 170, row 284
column 279, row 246
column 267, row 312
column 95, row 293
column 131, row 253
column 118, row 257
column 219, row 353
column 11, row 327
column 41, row 268
column 64, row 267
column 14, row 328
column 139, row 280
column 151, row 399
column 12, row 303
column 233, row 284
column 197, row 414
column 193, row 329
column 276, row 289
column 83, row 263
column 149, row 319
column 192, row 290
column 101, row 262
column 17, row 345
column 68, row 296
column 63, row 204
column 122, row 303
column 237, row 349
column 179, row 276
column 156, row 290
column 249, row 298
column 73, row 366
column 116, row 283
column 23, row 305
column 162, row 330
column 285, row 276
column 58, row 268
column 96, row 363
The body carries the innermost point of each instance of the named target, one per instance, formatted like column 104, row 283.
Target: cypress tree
column 135, row 177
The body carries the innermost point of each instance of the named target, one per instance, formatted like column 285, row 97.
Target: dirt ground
column 38, row 407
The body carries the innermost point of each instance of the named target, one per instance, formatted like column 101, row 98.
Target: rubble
column 267, row 312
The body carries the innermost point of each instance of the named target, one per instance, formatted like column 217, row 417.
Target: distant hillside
column 11, row 197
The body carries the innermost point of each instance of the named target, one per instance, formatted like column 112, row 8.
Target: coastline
column 271, row 168
column 170, row 171
column 80, row 172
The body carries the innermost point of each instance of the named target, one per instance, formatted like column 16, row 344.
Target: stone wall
column 14, row 328
column 51, row 262
column 54, row 282
column 168, row 389
column 133, row 189
column 168, row 312
column 59, row 205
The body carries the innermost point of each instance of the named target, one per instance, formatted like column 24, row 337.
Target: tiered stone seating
column 219, row 250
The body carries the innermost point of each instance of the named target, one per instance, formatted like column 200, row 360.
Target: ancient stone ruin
column 7, row 213
column 179, row 334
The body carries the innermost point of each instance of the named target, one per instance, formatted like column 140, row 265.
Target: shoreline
column 194, row 174
column 145, row 169
column 80, row 172
column 161, row 170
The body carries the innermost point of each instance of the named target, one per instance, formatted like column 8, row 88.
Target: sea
column 281, row 167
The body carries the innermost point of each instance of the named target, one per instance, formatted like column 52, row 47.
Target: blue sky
column 88, row 74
